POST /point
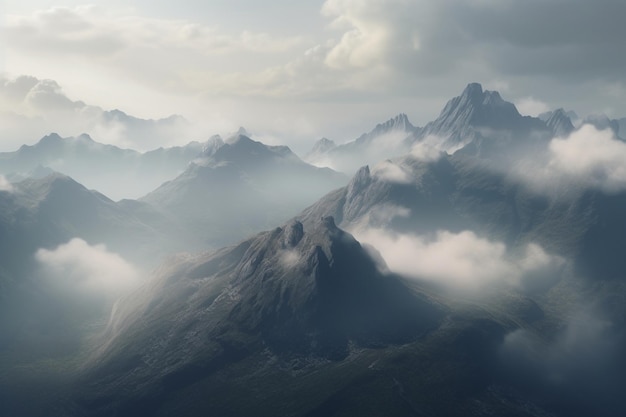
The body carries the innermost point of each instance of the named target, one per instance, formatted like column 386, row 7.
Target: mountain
column 481, row 122
column 106, row 168
column 483, row 276
column 287, row 301
column 384, row 141
column 560, row 123
column 65, row 252
column 460, row 192
column 240, row 188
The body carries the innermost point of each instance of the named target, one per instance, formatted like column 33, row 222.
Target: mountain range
column 475, row 268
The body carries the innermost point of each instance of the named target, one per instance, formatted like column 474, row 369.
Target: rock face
column 299, row 291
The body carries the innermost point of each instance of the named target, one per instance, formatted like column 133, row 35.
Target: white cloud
column 5, row 185
column 530, row 106
column 388, row 171
column 88, row 270
column 587, row 158
column 462, row 260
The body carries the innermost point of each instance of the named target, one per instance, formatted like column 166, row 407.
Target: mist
column 578, row 371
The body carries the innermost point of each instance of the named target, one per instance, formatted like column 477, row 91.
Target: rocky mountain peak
column 560, row 123
column 399, row 123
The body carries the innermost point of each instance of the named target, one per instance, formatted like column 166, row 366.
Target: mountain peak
column 560, row 123
column 473, row 90
column 475, row 107
column 242, row 131
column 398, row 123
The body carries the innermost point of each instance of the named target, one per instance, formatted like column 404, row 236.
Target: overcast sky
column 294, row 71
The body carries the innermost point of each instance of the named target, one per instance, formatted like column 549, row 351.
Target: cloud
column 531, row 106
column 458, row 260
column 588, row 158
column 5, row 185
column 31, row 108
column 88, row 270
column 390, row 172
column 432, row 147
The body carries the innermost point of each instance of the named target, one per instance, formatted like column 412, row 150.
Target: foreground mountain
column 285, row 303
column 240, row 188
column 105, row 168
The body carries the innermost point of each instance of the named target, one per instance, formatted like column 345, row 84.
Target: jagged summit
column 399, row 123
column 476, row 108
column 560, row 123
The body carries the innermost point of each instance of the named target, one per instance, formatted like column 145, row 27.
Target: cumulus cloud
column 5, row 185
column 588, row 158
column 88, row 270
column 459, row 260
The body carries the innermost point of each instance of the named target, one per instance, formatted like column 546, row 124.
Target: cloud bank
column 588, row 158
column 462, row 260
column 88, row 270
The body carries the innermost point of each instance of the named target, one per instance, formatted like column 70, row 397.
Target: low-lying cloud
column 461, row 260
column 587, row 158
column 388, row 171
column 88, row 270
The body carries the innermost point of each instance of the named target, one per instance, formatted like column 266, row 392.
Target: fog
column 578, row 370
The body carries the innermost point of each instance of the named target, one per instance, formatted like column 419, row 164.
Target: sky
column 293, row 72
